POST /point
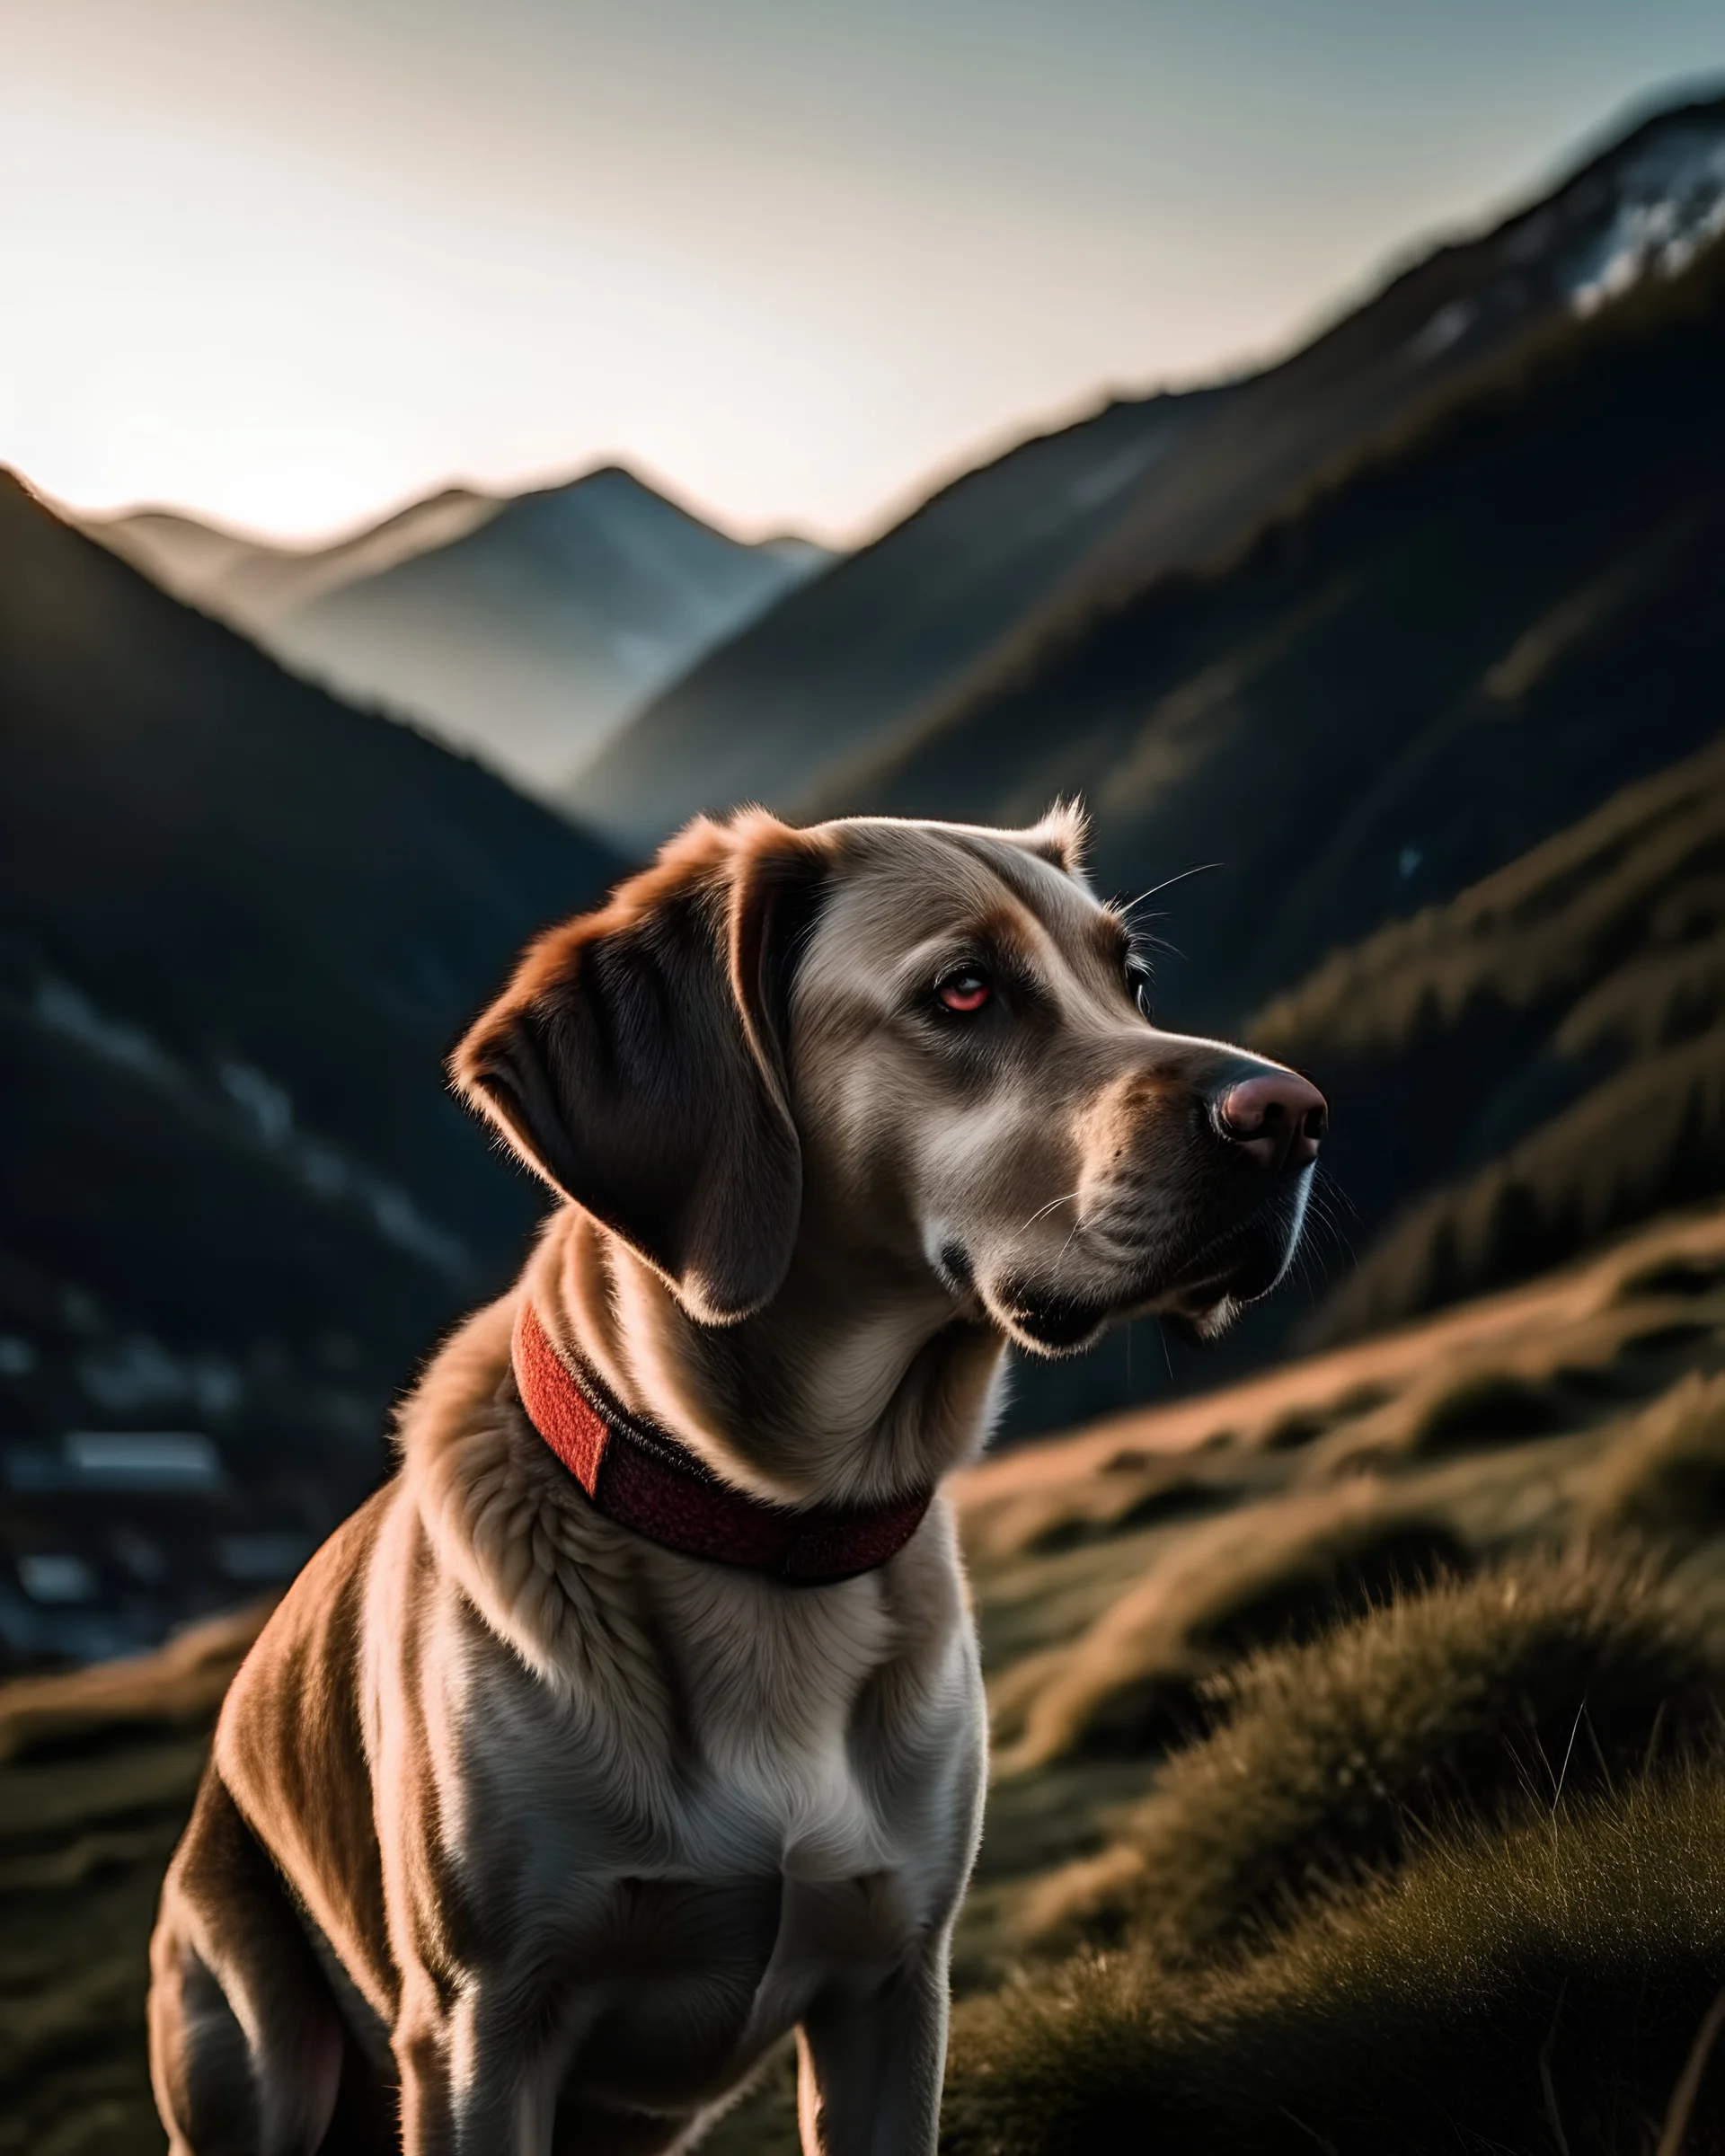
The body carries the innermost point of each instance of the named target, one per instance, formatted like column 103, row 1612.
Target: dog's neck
column 856, row 1386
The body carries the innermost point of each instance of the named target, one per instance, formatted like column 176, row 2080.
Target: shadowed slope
column 769, row 713
column 241, row 925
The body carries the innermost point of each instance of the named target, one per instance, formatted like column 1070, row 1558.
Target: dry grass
column 1332, row 1760
column 97, row 1772
column 1475, row 1438
column 1523, row 1987
column 1596, row 1324
column 1435, row 1877
column 180, row 1687
column 1663, row 1481
column 1130, row 1681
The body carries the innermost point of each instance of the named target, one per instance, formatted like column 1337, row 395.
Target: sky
column 290, row 262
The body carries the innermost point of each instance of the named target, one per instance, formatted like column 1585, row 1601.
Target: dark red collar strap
column 645, row 1479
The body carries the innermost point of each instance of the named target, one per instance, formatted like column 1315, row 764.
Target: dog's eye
column 968, row 989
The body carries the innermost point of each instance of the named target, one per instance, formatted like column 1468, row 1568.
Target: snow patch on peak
column 1669, row 202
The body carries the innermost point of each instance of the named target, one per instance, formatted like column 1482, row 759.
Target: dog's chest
column 782, row 1838
column 771, row 1706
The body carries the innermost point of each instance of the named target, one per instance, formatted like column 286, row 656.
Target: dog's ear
column 637, row 1061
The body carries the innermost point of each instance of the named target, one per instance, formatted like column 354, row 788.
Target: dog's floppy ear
column 636, row 1061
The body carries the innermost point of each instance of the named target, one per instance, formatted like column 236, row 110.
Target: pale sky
column 288, row 262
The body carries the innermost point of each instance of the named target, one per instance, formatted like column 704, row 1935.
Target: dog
column 638, row 1721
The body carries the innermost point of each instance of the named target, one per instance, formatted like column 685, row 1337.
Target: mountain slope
column 240, row 925
column 1538, row 1062
column 826, row 701
column 523, row 627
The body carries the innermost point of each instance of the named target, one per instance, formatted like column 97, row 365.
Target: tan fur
column 556, row 1831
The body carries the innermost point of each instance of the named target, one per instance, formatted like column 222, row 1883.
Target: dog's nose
column 1277, row 1117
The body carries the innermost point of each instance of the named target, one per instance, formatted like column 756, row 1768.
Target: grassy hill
column 1493, row 1787
column 1537, row 1061
column 240, row 924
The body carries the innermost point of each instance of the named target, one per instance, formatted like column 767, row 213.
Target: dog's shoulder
column 294, row 1707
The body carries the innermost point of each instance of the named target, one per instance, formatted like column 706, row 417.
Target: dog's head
column 925, row 1045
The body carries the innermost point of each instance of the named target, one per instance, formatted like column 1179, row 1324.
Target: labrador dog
column 637, row 1722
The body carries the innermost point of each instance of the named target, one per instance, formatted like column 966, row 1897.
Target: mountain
column 240, row 924
column 850, row 693
column 251, row 583
column 523, row 627
column 1431, row 660
column 780, row 703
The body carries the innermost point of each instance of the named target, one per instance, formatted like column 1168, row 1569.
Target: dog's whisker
column 1042, row 1212
column 1167, row 883
column 1333, row 1190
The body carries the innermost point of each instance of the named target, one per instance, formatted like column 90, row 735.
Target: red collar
column 645, row 1479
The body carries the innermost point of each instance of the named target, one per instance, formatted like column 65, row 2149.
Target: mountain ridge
column 521, row 626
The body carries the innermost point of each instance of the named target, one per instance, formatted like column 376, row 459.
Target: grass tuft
column 1531, row 1985
column 1335, row 1761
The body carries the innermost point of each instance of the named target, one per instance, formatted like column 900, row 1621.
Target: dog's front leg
column 475, row 2080
column 870, row 2063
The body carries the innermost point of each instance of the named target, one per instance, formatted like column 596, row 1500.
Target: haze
column 288, row 262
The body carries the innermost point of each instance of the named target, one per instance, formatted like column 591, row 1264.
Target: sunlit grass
column 1334, row 1760
column 1523, row 1987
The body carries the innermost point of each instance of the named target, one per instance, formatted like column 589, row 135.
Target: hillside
column 1536, row 1064
column 521, row 627
column 1163, row 1790
column 972, row 622
column 240, row 924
